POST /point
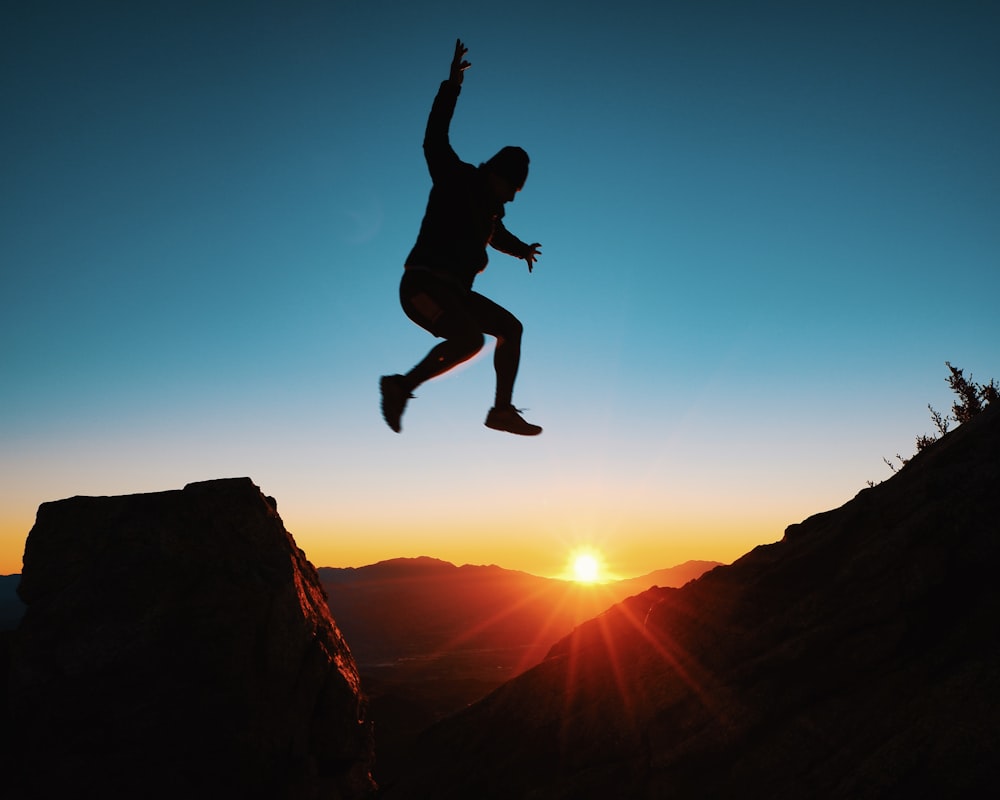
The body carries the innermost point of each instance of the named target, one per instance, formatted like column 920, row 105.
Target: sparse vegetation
column 972, row 399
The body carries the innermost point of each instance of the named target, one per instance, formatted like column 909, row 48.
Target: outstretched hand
column 458, row 66
column 533, row 253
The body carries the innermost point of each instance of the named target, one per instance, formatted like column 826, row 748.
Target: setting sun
column 586, row 568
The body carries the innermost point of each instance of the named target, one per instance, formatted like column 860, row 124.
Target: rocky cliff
column 859, row 657
column 179, row 644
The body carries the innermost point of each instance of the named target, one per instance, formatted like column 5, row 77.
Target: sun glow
column 585, row 567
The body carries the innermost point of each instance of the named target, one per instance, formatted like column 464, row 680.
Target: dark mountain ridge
column 857, row 657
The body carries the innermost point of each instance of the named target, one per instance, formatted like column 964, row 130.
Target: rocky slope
column 858, row 657
column 179, row 644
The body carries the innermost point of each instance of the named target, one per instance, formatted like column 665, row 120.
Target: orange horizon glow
column 625, row 555
column 625, row 546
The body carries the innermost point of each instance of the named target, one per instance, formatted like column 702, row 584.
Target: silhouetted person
column 464, row 214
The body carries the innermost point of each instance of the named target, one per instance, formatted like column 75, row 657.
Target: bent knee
column 511, row 331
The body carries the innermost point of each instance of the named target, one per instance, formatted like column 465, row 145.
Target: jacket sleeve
column 441, row 158
column 506, row 242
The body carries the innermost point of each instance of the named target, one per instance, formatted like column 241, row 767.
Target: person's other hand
column 533, row 253
column 458, row 66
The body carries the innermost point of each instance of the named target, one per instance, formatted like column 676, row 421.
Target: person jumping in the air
column 464, row 214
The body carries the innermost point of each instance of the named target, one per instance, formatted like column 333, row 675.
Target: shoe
column 394, row 397
column 508, row 419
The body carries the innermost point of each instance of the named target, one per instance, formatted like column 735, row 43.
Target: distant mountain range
column 426, row 609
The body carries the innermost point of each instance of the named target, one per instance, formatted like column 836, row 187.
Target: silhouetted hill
column 395, row 568
column 857, row 657
column 178, row 644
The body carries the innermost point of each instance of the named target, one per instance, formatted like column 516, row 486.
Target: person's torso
column 457, row 225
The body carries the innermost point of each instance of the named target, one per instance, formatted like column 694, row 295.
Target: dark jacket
column 462, row 215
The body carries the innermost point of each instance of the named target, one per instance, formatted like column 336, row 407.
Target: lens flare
column 586, row 567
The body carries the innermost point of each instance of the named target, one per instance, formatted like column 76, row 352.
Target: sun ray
column 589, row 604
column 599, row 655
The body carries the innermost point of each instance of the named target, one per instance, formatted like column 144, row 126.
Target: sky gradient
column 765, row 228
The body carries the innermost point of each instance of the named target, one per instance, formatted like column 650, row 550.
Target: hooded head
column 511, row 164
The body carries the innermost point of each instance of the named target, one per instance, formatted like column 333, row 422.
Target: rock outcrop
column 859, row 657
column 179, row 644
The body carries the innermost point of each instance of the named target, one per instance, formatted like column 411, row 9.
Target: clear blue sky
column 765, row 227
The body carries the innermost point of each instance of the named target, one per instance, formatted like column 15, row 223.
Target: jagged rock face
column 857, row 657
column 179, row 644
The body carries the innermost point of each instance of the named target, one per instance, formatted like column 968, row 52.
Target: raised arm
column 437, row 148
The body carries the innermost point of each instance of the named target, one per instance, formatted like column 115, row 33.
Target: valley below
column 430, row 638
